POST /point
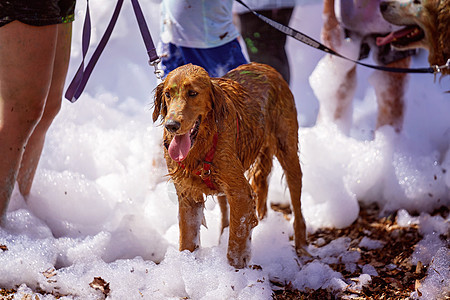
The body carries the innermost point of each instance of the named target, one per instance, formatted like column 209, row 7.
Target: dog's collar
column 205, row 171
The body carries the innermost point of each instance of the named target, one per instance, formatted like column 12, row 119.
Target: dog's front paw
column 238, row 261
column 238, row 254
column 301, row 251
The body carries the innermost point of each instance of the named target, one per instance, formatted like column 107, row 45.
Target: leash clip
column 438, row 69
column 158, row 72
column 205, row 174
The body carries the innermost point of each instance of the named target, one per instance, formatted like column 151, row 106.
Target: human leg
column 26, row 65
column 35, row 143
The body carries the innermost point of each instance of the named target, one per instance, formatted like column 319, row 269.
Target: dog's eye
column 167, row 94
column 416, row 1
column 192, row 93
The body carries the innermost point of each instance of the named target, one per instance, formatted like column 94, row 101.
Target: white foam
column 437, row 283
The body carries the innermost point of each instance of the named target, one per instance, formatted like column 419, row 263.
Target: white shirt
column 197, row 23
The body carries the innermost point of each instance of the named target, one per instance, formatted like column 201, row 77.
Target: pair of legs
column 389, row 87
column 33, row 68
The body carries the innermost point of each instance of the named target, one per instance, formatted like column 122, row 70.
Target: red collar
column 205, row 172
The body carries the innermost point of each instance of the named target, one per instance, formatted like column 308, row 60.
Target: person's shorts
column 37, row 12
column 216, row 61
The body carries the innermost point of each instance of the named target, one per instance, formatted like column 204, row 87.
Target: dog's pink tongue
column 393, row 36
column 385, row 40
column 179, row 147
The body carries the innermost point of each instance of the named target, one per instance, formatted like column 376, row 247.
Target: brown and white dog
column 426, row 24
column 350, row 27
column 217, row 129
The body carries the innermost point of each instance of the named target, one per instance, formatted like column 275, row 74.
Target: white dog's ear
column 219, row 104
column 159, row 104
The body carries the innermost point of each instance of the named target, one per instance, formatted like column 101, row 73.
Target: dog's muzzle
column 172, row 126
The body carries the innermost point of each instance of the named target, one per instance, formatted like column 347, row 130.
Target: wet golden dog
column 216, row 129
column 427, row 25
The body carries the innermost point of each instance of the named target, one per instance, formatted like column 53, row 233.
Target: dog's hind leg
column 288, row 157
column 259, row 175
column 190, row 218
column 225, row 221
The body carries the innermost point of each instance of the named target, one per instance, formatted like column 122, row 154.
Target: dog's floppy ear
column 159, row 105
column 219, row 104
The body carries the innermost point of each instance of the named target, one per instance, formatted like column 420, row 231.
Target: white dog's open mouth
column 181, row 144
column 403, row 37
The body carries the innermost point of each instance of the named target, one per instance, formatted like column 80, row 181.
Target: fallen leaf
column 101, row 285
column 49, row 273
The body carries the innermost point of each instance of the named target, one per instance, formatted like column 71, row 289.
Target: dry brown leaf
column 419, row 267
column 396, row 275
column 49, row 273
column 101, row 285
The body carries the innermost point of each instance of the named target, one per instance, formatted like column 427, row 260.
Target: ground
column 397, row 283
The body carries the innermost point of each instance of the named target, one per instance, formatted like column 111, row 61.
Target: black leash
column 82, row 75
column 315, row 44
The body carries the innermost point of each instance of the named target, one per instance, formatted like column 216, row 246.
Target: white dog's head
column 362, row 16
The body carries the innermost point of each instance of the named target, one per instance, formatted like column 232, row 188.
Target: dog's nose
column 383, row 6
column 172, row 126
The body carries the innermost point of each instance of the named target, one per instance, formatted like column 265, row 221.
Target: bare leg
column 35, row 143
column 26, row 65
